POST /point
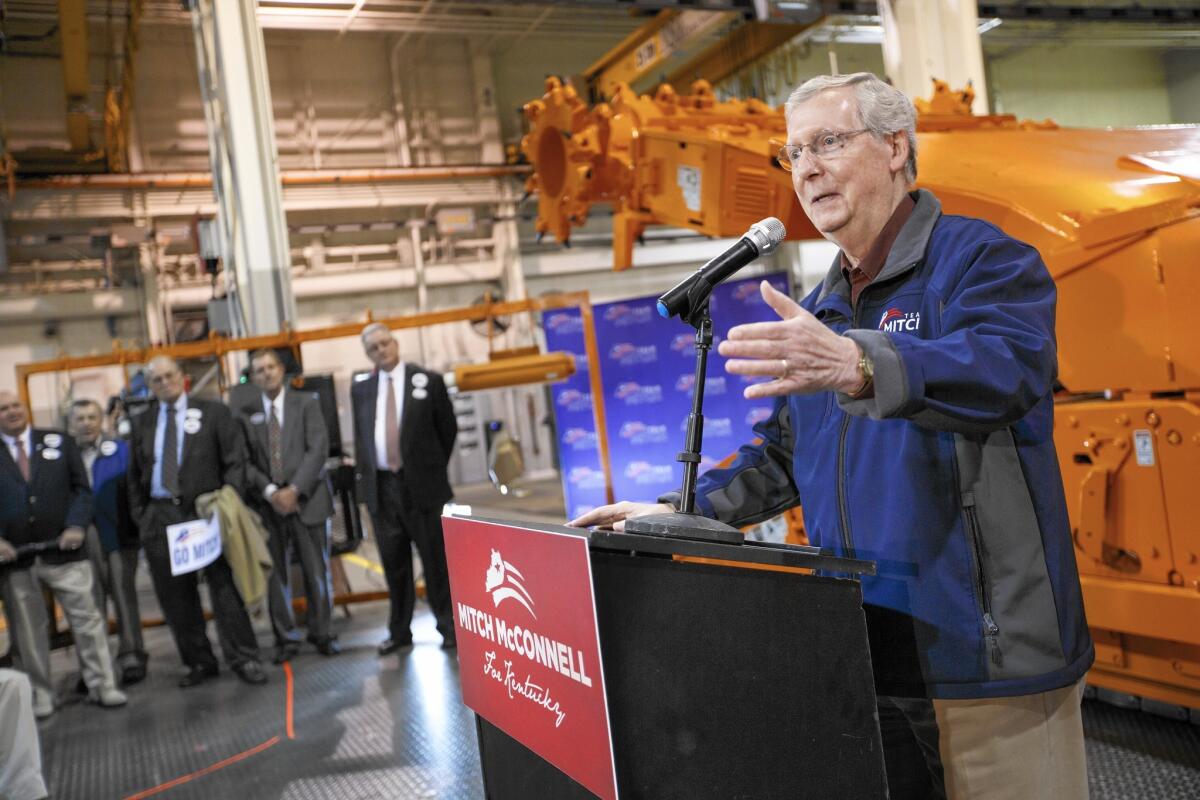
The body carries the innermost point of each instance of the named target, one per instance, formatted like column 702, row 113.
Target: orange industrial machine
column 1116, row 216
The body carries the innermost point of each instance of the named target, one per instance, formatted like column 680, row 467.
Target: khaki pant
column 71, row 584
column 20, row 757
column 1014, row 748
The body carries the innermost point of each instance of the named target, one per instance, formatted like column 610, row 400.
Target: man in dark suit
column 286, row 483
column 112, row 538
column 182, row 447
column 404, row 430
column 45, row 502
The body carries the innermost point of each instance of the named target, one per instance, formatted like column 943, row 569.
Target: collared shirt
column 26, row 437
column 396, row 375
column 872, row 263
column 180, row 408
column 277, row 403
column 89, row 453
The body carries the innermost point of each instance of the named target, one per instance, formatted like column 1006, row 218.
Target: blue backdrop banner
column 647, row 369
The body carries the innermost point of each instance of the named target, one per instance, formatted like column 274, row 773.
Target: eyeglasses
column 825, row 144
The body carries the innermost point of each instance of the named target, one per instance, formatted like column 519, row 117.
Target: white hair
column 374, row 326
column 883, row 109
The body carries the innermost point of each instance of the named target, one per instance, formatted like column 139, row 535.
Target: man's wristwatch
column 866, row 368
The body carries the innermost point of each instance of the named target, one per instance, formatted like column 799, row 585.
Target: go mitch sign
column 528, row 645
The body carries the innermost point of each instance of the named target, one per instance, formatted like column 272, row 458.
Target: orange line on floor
column 287, row 671
column 274, row 740
column 162, row 787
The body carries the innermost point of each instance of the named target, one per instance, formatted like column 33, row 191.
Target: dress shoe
column 390, row 646
column 133, row 673
column 197, row 675
column 286, row 652
column 251, row 672
column 107, row 697
column 327, row 646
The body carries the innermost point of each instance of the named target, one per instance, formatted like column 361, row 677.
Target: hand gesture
column 799, row 352
column 71, row 539
column 285, row 500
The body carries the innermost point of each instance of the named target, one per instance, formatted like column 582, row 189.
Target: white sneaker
column 43, row 703
column 108, row 698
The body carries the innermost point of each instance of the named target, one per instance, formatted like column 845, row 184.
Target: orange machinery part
column 1116, row 216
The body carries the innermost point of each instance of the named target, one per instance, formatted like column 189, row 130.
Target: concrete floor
column 364, row 727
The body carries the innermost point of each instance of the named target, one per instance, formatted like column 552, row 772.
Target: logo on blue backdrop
column 638, row 432
column 586, row 478
column 714, row 427
column 684, row 344
column 580, row 439
column 713, row 385
column 623, row 314
column 635, row 394
column 757, row 415
column 575, row 400
column 561, row 322
column 643, row 472
column 627, row 354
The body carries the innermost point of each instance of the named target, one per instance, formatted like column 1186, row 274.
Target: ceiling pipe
column 203, row 180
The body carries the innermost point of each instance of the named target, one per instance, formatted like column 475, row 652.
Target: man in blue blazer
column 112, row 539
column 45, row 508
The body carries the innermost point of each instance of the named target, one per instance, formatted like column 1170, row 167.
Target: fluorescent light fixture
column 987, row 24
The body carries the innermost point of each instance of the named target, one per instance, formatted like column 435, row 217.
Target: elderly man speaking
column 913, row 422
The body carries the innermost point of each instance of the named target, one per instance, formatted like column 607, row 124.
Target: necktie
column 22, row 459
column 391, row 426
column 275, row 444
column 170, row 454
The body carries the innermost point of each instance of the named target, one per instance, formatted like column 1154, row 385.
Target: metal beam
column 72, row 27
column 741, row 48
column 648, row 48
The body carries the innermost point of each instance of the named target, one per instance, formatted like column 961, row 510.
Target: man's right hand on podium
column 614, row 516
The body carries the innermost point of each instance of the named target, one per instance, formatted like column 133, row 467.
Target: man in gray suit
column 287, row 485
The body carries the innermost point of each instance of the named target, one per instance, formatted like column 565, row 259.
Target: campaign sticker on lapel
column 258, row 418
column 420, row 394
column 191, row 426
column 419, row 381
column 193, row 413
column 51, row 453
column 52, row 440
column 107, row 448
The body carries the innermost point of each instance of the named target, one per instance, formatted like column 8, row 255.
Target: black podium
column 724, row 680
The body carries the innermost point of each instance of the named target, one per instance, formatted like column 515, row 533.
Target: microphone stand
column 686, row 523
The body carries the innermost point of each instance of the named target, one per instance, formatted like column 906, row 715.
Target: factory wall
column 1089, row 87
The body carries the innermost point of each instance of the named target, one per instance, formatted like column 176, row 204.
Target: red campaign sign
column 528, row 645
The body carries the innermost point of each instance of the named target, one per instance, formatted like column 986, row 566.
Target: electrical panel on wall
column 469, row 464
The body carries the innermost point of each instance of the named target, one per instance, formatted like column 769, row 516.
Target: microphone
column 691, row 293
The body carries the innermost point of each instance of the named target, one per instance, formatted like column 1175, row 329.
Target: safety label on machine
column 1143, row 447
column 688, row 179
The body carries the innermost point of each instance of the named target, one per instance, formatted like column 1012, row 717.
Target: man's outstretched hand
column 614, row 516
column 798, row 351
